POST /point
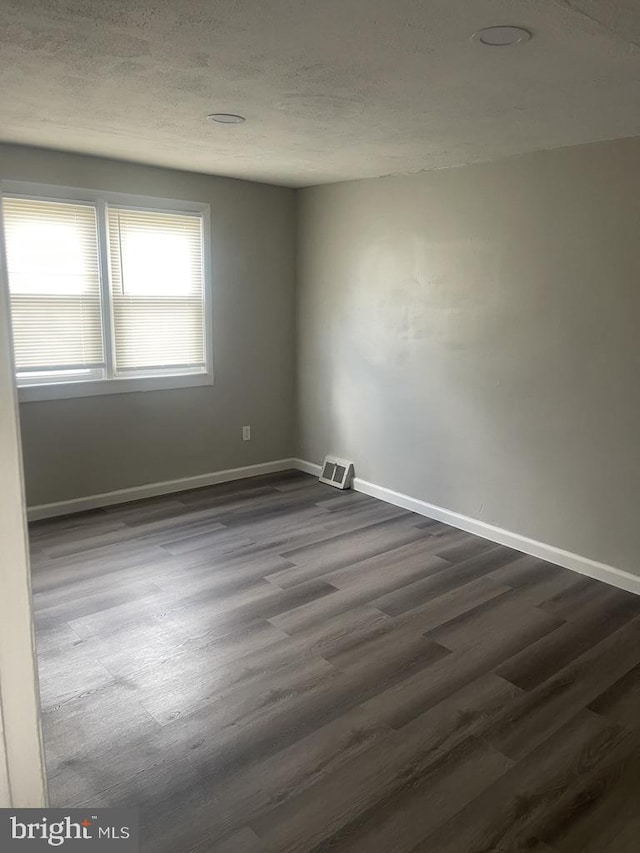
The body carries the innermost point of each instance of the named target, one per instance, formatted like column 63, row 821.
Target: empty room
column 319, row 403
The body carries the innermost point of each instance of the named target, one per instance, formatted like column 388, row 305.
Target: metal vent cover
column 336, row 472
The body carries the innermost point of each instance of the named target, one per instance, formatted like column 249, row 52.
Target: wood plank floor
column 272, row 665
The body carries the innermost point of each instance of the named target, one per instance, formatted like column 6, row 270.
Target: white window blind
column 54, row 283
column 157, row 290
column 109, row 292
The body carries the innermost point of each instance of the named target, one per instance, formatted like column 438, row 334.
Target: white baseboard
column 307, row 467
column 566, row 559
column 584, row 565
column 151, row 490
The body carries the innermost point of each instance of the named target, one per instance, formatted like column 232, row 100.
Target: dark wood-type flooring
column 273, row 665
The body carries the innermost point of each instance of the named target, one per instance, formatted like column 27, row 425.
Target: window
column 106, row 295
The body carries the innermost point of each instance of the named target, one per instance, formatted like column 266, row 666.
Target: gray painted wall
column 470, row 338
column 79, row 447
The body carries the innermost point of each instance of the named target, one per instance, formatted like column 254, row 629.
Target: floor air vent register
column 337, row 472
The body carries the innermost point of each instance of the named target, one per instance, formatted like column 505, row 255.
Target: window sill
column 92, row 388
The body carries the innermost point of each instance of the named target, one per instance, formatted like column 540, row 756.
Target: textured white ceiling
column 332, row 89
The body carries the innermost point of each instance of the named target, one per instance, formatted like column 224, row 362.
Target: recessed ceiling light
column 227, row 118
column 501, row 36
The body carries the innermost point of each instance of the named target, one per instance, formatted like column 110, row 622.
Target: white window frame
column 35, row 390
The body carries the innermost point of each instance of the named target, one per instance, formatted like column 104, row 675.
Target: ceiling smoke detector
column 501, row 36
column 226, row 118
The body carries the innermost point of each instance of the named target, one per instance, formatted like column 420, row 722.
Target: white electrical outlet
column 246, row 433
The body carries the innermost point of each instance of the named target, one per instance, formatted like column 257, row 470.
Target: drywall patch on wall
column 469, row 338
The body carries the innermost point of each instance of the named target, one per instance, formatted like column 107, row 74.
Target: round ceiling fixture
column 501, row 36
column 226, row 118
